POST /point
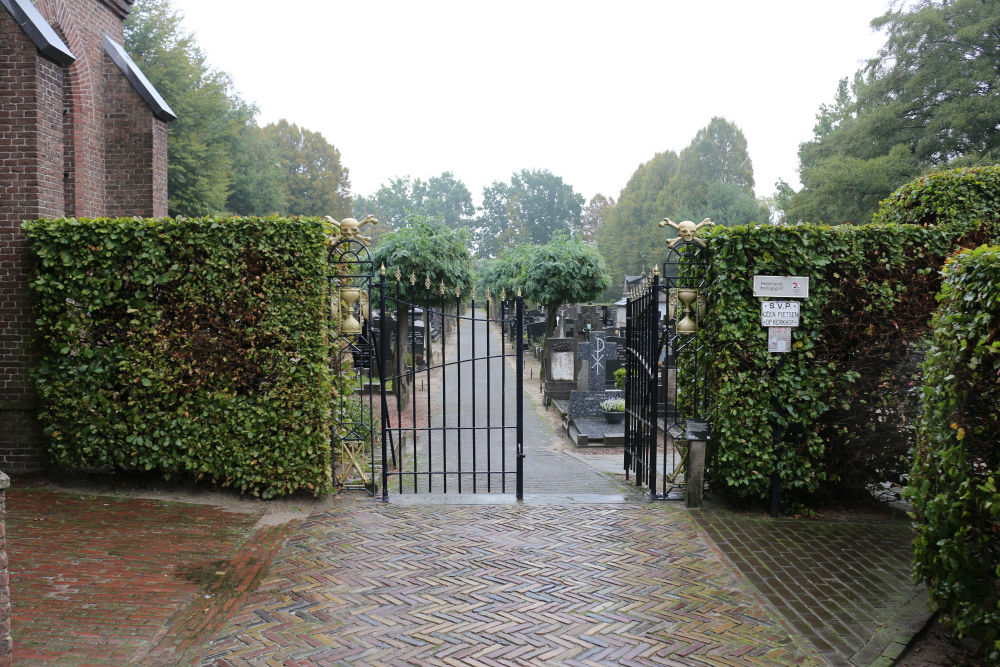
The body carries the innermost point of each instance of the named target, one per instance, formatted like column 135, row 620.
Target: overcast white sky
column 588, row 90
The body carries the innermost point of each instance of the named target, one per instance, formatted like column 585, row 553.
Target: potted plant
column 614, row 410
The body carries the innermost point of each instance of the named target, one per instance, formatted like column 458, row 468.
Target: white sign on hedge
column 779, row 313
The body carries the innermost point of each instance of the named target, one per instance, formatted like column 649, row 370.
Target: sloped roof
column 138, row 80
column 39, row 31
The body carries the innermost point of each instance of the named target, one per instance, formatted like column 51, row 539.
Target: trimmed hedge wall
column 849, row 387
column 186, row 346
column 956, row 468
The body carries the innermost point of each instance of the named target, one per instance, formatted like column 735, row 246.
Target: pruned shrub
column 194, row 347
column 848, row 390
column 956, row 468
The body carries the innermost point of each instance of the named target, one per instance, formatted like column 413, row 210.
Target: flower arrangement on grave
column 614, row 410
column 613, row 405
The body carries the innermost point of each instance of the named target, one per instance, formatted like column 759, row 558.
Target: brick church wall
column 75, row 141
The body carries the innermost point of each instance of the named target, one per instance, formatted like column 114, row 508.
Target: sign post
column 779, row 314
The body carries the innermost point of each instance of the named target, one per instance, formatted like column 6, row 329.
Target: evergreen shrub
column 849, row 389
column 194, row 347
column 956, row 468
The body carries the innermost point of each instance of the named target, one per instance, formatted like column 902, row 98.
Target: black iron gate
column 664, row 380
column 452, row 402
column 432, row 400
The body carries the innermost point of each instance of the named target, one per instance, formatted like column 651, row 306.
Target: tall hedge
column 956, row 468
column 952, row 195
column 186, row 346
column 848, row 390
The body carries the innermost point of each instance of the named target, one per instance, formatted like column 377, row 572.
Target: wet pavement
column 584, row 571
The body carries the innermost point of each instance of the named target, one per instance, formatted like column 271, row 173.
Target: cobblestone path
column 533, row 584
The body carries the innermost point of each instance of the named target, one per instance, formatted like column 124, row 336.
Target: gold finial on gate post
column 656, row 270
column 381, row 270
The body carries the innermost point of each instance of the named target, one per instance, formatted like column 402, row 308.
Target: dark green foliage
column 443, row 198
column 210, row 117
column 956, row 469
column 954, row 194
column 712, row 178
column 534, row 207
column 847, row 388
column 258, row 182
column 429, row 250
column 930, row 98
column 559, row 272
column 194, row 347
column 316, row 183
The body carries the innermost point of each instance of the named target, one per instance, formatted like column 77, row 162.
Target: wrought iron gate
column 433, row 400
column 354, row 429
column 452, row 417
column 664, row 378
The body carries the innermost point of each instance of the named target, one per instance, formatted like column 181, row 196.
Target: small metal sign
column 779, row 339
column 697, row 430
column 795, row 287
column 779, row 313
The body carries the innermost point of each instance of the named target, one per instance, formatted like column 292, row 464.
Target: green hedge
column 186, row 346
column 849, row 388
column 945, row 196
column 956, row 469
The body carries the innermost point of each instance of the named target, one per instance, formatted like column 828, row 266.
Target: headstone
column 595, row 354
column 560, row 368
column 616, row 360
column 535, row 330
column 587, row 404
column 588, row 321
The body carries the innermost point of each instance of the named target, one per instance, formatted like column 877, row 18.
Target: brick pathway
column 846, row 586
column 613, row 584
column 107, row 581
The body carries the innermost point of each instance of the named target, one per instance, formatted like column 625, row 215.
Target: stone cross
column 596, row 353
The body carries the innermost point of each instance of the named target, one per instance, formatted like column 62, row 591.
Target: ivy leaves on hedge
column 848, row 389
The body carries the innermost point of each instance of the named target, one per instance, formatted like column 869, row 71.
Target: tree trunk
column 400, row 387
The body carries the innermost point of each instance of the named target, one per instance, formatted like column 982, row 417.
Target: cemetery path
column 465, row 400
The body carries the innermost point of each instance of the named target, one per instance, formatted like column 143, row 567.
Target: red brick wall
column 135, row 150
column 31, row 186
column 75, row 141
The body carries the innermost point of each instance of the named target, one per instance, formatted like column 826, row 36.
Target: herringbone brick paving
column 615, row 584
column 846, row 586
column 109, row 581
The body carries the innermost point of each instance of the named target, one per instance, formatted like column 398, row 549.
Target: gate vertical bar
column 383, row 343
column 475, row 433
column 503, row 393
column 458, row 392
column 519, row 323
column 652, row 390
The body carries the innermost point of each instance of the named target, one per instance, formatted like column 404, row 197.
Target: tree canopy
column 564, row 270
column 712, row 177
column 210, row 116
column 218, row 159
column 315, row 180
column 930, row 98
column 427, row 248
column 534, row 207
column 443, row 198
